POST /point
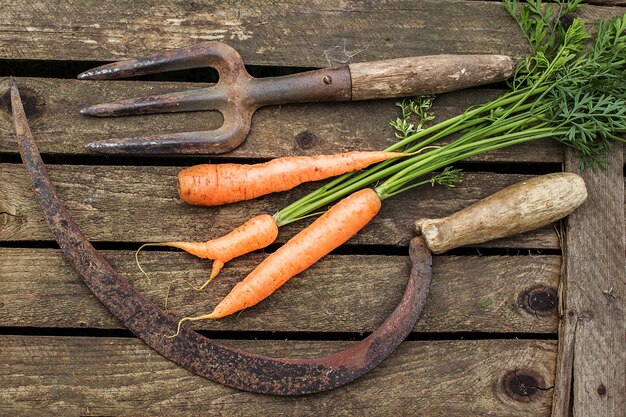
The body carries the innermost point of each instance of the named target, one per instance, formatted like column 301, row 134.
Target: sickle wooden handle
column 431, row 74
column 519, row 208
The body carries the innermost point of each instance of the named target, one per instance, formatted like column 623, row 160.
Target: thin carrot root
column 137, row 259
column 184, row 319
column 169, row 289
column 216, row 184
column 217, row 267
column 256, row 233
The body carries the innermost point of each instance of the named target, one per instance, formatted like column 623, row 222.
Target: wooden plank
column 592, row 349
column 468, row 294
column 108, row 376
column 93, row 30
column 307, row 129
column 277, row 35
column 116, row 203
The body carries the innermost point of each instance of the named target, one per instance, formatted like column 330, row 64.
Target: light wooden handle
column 519, row 208
column 431, row 74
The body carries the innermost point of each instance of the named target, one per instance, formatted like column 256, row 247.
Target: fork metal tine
column 232, row 132
column 211, row 98
column 212, row 142
column 207, row 54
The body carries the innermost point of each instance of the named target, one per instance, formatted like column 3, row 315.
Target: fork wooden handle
column 433, row 74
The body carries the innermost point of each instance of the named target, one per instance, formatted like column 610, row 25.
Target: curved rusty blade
column 198, row 354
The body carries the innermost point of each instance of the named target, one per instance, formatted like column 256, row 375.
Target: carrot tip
column 184, row 319
column 140, row 249
column 137, row 259
column 217, row 267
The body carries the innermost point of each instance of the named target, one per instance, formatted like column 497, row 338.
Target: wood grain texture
column 348, row 293
column 108, row 376
column 593, row 349
column 125, row 203
column 280, row 34
column 433, row 74
column 53, row 105
column 114, row 204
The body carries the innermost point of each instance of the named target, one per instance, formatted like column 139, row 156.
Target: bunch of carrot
column 225, row 183
column 217, row 184
column 329, row 231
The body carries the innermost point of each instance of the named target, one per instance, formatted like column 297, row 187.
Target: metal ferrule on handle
column 328, row 84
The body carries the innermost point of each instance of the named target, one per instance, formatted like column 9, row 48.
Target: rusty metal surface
column 191, row 350
column 236, row 95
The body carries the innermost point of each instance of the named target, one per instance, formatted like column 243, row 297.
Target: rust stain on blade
column 201, row 355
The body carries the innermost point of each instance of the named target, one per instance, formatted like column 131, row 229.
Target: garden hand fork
column 237, row 95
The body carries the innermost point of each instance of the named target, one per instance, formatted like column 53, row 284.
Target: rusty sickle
column 237, row 95
column 191, row 350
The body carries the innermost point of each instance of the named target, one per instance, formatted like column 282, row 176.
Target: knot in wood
column 306, row 139
column 522, row 385
column 539, row 300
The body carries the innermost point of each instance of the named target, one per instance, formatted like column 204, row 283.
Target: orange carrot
column 329, row 231
column 254, row 234
column 215, row 184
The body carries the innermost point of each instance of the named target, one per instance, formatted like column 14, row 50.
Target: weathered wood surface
column 283, row 34
column 108, row 376
column 141, row 204
column 53, row 105
column 352, row 293
column 593, row 348
column 114, row 204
